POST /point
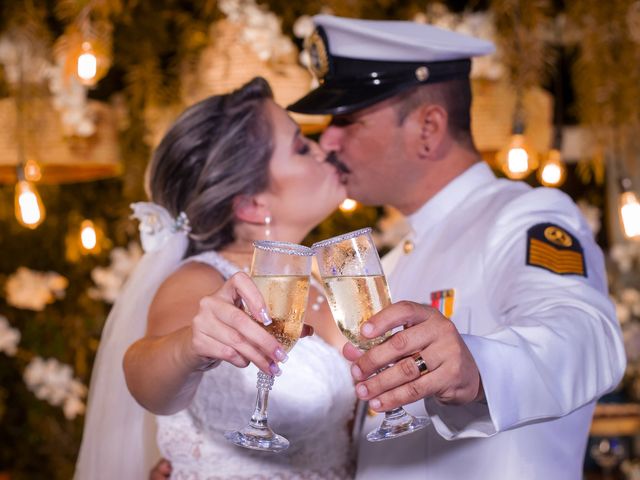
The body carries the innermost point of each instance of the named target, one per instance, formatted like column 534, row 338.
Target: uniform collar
column 450, row 197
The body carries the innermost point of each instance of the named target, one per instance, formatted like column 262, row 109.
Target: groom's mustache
column 332, row 158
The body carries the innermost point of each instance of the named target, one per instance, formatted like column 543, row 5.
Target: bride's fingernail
column 367, row 329
column 281, row 355
column 375, row 404
column 274, row 369
column 362, row 391
column 356, row 372
column 266, row 320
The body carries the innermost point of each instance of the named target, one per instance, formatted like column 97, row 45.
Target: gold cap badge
column 318, row 56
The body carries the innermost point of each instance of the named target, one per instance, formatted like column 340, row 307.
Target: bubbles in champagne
column 286, row 297
column 353, row 300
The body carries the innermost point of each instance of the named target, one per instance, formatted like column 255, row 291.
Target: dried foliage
column 523, row 27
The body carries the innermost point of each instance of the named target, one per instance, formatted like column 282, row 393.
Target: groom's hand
column 452, row 376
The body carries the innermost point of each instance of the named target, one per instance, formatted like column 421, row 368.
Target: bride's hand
column 221, row 330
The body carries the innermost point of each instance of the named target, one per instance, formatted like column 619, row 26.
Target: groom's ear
column 250, row 209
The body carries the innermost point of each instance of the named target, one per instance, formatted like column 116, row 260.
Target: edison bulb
column 29, row 208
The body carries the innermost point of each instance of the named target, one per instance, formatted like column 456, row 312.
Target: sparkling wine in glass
column 356, row 289
column 281, row 271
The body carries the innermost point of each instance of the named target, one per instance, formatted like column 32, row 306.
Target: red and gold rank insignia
column 553, row 248
column 443, row 300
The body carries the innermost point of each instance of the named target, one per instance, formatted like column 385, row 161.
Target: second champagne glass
column 281, row 271
column 356, row 289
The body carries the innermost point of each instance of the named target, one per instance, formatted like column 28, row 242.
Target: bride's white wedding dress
column 311, row 404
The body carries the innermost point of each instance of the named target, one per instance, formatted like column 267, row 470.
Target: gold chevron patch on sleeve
column 553, row 248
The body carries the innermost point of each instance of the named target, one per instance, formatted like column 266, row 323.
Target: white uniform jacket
column 547, row 344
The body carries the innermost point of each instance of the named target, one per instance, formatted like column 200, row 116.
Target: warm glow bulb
column 87, row 63
column 348, row 205
column 32, row 171
column 28, row 205
column 88, row 235
column 630, row 214
column 517, row 160
column 552, row 172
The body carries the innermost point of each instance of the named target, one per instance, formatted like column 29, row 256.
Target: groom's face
column 371, row 143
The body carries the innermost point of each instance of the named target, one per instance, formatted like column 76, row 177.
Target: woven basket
column 492, row 116
column 62, row 159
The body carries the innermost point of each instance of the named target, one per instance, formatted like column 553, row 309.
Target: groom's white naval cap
column 361, row 62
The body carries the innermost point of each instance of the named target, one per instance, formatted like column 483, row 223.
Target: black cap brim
column 337, row 100
column 356, row 84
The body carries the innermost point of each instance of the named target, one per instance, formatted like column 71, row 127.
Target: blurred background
column 88, row 87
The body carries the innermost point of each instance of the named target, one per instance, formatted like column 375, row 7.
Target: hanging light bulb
column 87, row 64
column 88, row 236
column 32, row 172
column 517, row 159
column 629, row 210
column 348, row 205
column 29, row 208
column 553, row 171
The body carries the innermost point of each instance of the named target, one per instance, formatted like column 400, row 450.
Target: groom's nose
column 331, row 139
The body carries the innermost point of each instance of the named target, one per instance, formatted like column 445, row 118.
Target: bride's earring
column 267, row 226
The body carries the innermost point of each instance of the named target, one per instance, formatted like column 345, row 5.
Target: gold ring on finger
column 420, row 363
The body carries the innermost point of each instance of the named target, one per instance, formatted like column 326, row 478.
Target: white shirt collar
column 452, row 195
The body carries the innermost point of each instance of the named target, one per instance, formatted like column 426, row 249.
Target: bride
column 232, row 169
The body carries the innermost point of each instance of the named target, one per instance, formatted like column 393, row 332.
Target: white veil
column 119, row 439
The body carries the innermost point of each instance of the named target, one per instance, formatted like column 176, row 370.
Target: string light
column 29, row 208
column 517, row 159
column 32, row 172
column 88, row 236
column 552, row 173
column 87, row 64
column 629, row 210
column 348, row 205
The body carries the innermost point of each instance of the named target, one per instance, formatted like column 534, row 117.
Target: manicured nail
column 275, row 369
column 356, row 372
column 266, row 320
column 362, row 391
column 375, row 404
column 367, row 329
column 281, row 355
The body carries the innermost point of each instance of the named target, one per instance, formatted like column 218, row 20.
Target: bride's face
column 303, row 188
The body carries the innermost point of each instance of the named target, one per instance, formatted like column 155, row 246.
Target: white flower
column 623, row 313
column 9, row 337
column 623, row 254
column 630, row 296
column 303, row 26
column 591, row 214
column 73, row 407
column 155, row 224
column 70, row 99
column 109, row 280
column 262, row 30
column 53, row 381
column 33, row 290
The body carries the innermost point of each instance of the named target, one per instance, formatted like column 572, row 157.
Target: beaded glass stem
column 281, row 271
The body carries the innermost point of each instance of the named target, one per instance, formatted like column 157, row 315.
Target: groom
column 509, row 335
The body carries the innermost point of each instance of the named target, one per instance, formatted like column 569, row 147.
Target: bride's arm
column 193, row 320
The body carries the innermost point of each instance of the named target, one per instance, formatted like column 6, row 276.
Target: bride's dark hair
column 218, row 149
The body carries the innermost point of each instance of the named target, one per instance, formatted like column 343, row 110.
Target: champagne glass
column 281, row 271
column 356, row 289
